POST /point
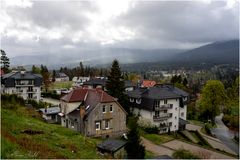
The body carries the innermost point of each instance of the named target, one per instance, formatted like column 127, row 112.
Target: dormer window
column 131, row 99
column 138, row 101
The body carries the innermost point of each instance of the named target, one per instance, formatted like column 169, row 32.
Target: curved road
column 224, row 134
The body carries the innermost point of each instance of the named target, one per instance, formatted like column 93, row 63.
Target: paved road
column 224, row 134
column 201, row 152
column 156, row 149
column 168, row 148
column 214, row 142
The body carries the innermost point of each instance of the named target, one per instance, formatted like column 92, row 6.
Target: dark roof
column 50, row 110
column 158, row 92
column 111, row 145
column 61, row 75
column 183, row 122
column 9, row 79
column 96, row 81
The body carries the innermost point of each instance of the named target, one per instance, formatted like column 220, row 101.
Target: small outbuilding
column 112, row 148
column 50, row 114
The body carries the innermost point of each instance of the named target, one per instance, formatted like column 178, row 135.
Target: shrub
column 51, row 94
column 184, row 154
column 207, row 128
column 151, row 129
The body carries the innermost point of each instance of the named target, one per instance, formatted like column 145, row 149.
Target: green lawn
column 158, row 138
column 195, row 122
column 149, row 155
column 59, row 85
column 56, row 142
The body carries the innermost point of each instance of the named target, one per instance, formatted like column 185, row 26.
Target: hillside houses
column 163, row 106
column 24, row 84
column 93, row 113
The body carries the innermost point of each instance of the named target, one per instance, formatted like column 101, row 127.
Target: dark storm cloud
column 52, row 27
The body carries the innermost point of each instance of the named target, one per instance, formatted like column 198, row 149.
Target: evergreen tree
column 46, row 77
column 81, row 69
column 54, row 76
column 185, row 82
column 115, row 85
column 134, row 148
column 4, row 62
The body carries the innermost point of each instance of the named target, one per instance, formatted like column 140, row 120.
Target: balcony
column 24, row 84
column 163, row 125
column 161, row 117
column 31, row 90
column 164, row 107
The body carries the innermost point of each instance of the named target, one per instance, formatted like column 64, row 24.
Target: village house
column 164, row 106
column 93, row 113
column 95, row 83
column 24, row 84
column 61, row 77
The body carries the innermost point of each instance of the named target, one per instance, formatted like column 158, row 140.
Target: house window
column 176, row 108
column 111, row 108
column 165, row 111
column 131, row 99
column 106, row 124
column 165, row 101
column 170, row 114
column 171, row 106
column 104, row 109
column 157, row 113
column 138, row 101
column 170, row 124
column 157, row 103
column 175, row 117
column 182, row 114
column 98, row 125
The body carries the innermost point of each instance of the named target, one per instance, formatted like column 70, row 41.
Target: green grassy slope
column 55, row 142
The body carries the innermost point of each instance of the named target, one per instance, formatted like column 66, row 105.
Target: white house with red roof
column 93, row 113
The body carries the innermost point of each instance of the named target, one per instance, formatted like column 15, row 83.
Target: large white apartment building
column 164, row 106
column 24, row 84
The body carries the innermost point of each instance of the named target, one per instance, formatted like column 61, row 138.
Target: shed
column 50, row 114
column 113, row 148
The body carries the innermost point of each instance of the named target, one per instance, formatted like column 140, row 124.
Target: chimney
column 82, row 111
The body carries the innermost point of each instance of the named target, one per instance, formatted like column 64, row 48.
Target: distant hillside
column 88, row 57
column 223, row 52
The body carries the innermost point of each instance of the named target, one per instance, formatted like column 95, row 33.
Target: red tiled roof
column 148, row 83
column 76, row 95
column 81, row 94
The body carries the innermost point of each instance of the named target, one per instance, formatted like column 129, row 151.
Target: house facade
column 24, row 84
column 93, row 113
column 61, row 77
column 164, row 106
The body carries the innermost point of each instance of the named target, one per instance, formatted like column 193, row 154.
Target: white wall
column 146, row 117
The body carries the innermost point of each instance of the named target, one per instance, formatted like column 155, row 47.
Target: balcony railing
column 161, row 117
column 164, row 107
column 24, row 84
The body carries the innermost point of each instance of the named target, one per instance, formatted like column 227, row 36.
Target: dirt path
column 156, row 149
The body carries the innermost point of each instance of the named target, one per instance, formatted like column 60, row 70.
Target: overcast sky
column 36, row 27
